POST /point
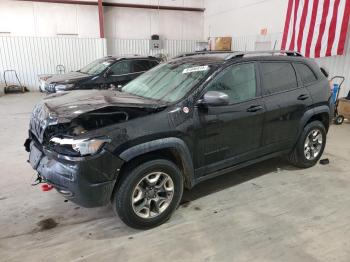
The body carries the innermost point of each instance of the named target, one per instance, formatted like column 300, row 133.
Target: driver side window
column 237, row 81
column 121, row 68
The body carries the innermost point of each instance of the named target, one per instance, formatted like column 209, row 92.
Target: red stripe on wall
column 344, row 28
column 332, row 28
column 286, row 25
column 291, row 45
column 311, row 28
column 302, row 25
column 322, row 28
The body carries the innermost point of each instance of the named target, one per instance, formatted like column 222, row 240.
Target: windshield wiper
column 143, row 97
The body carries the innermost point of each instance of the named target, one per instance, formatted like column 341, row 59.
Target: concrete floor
column 267, row 212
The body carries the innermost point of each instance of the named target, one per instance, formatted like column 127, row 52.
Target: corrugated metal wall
column 33, row 56
column 337, row 65
column 141, row 47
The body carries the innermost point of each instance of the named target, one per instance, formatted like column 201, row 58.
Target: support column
column 101, row 19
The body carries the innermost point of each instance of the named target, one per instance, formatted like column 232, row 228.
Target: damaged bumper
column 86, row 181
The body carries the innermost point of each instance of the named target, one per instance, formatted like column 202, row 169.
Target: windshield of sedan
column 96, row 67
column 167, row 82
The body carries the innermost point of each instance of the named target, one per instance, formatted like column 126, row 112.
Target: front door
column 119, row 73
column 228, row 135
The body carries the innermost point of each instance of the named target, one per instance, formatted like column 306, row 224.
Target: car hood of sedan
column 68, row 77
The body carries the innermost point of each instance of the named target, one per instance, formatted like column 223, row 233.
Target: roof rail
column 270, row 52
column 203, row 53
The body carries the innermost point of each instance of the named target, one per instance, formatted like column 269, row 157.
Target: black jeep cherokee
column 193, row 118
column 102, row 73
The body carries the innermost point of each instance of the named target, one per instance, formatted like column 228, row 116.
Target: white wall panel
column 243, row 17
column 33, row 56
column 48, row 19
column 134, row 23
column 141, row 47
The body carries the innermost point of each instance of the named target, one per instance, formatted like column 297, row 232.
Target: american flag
column 316, row 28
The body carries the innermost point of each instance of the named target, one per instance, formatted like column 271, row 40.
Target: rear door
column 286, row 100
column 140, row 66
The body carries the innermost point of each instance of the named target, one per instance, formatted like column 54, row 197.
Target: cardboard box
column 344, row 108
column 220, row 43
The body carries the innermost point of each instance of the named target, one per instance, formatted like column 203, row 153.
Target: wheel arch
column 171, row 148
column 320, row 113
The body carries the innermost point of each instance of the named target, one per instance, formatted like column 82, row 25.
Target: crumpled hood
column 68, row 77
column 66, row 106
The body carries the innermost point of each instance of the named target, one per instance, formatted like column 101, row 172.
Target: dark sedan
column 104, row 73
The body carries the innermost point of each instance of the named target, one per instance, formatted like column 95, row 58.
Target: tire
column 298, row 157
column 138, row 178
column 339, row 120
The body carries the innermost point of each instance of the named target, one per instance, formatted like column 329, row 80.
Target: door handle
column 303, row 97
column 255, row 108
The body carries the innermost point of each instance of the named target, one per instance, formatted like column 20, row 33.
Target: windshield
column 96, row 67
column 167, row 82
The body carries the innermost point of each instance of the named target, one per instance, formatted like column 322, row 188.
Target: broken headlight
column 83, row 147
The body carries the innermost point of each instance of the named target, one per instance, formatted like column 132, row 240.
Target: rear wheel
column 310, row 145
column 149, row 194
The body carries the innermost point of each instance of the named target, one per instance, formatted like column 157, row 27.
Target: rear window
column 153, row 63
column 307, row 75
column 141, row 65
column 277, row 77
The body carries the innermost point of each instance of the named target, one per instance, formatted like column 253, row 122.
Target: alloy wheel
column 152, row 195
column 313, row 144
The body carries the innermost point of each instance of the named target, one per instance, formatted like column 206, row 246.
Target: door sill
column 238, row 166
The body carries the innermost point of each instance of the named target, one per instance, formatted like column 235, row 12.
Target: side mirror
column 215, row 98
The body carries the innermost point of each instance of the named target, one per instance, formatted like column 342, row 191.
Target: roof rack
column 270, row 52
column 203, row 53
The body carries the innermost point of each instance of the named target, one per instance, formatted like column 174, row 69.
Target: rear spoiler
column 324, row 71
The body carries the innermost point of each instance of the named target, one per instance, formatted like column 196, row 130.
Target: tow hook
column 38, row 180
column 44, row 187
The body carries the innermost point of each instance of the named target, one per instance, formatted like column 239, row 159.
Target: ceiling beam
column 156, row 7
column 161, row 7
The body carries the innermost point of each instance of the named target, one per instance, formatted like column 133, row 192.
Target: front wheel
column 310, row 145
column 148, row 194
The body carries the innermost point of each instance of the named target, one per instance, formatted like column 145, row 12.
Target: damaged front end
column 71, row 144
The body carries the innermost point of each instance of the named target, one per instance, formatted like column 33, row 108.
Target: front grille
column 50, row 88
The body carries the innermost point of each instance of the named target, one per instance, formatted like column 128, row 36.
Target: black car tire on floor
column 298, row 157
column 124, row 197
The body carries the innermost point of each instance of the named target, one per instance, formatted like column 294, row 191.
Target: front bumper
column 86, row 181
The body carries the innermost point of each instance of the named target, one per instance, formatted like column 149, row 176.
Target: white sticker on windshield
column 195, row 69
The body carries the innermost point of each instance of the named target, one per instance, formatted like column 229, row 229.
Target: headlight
column 62, row 87
column 82, row 146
